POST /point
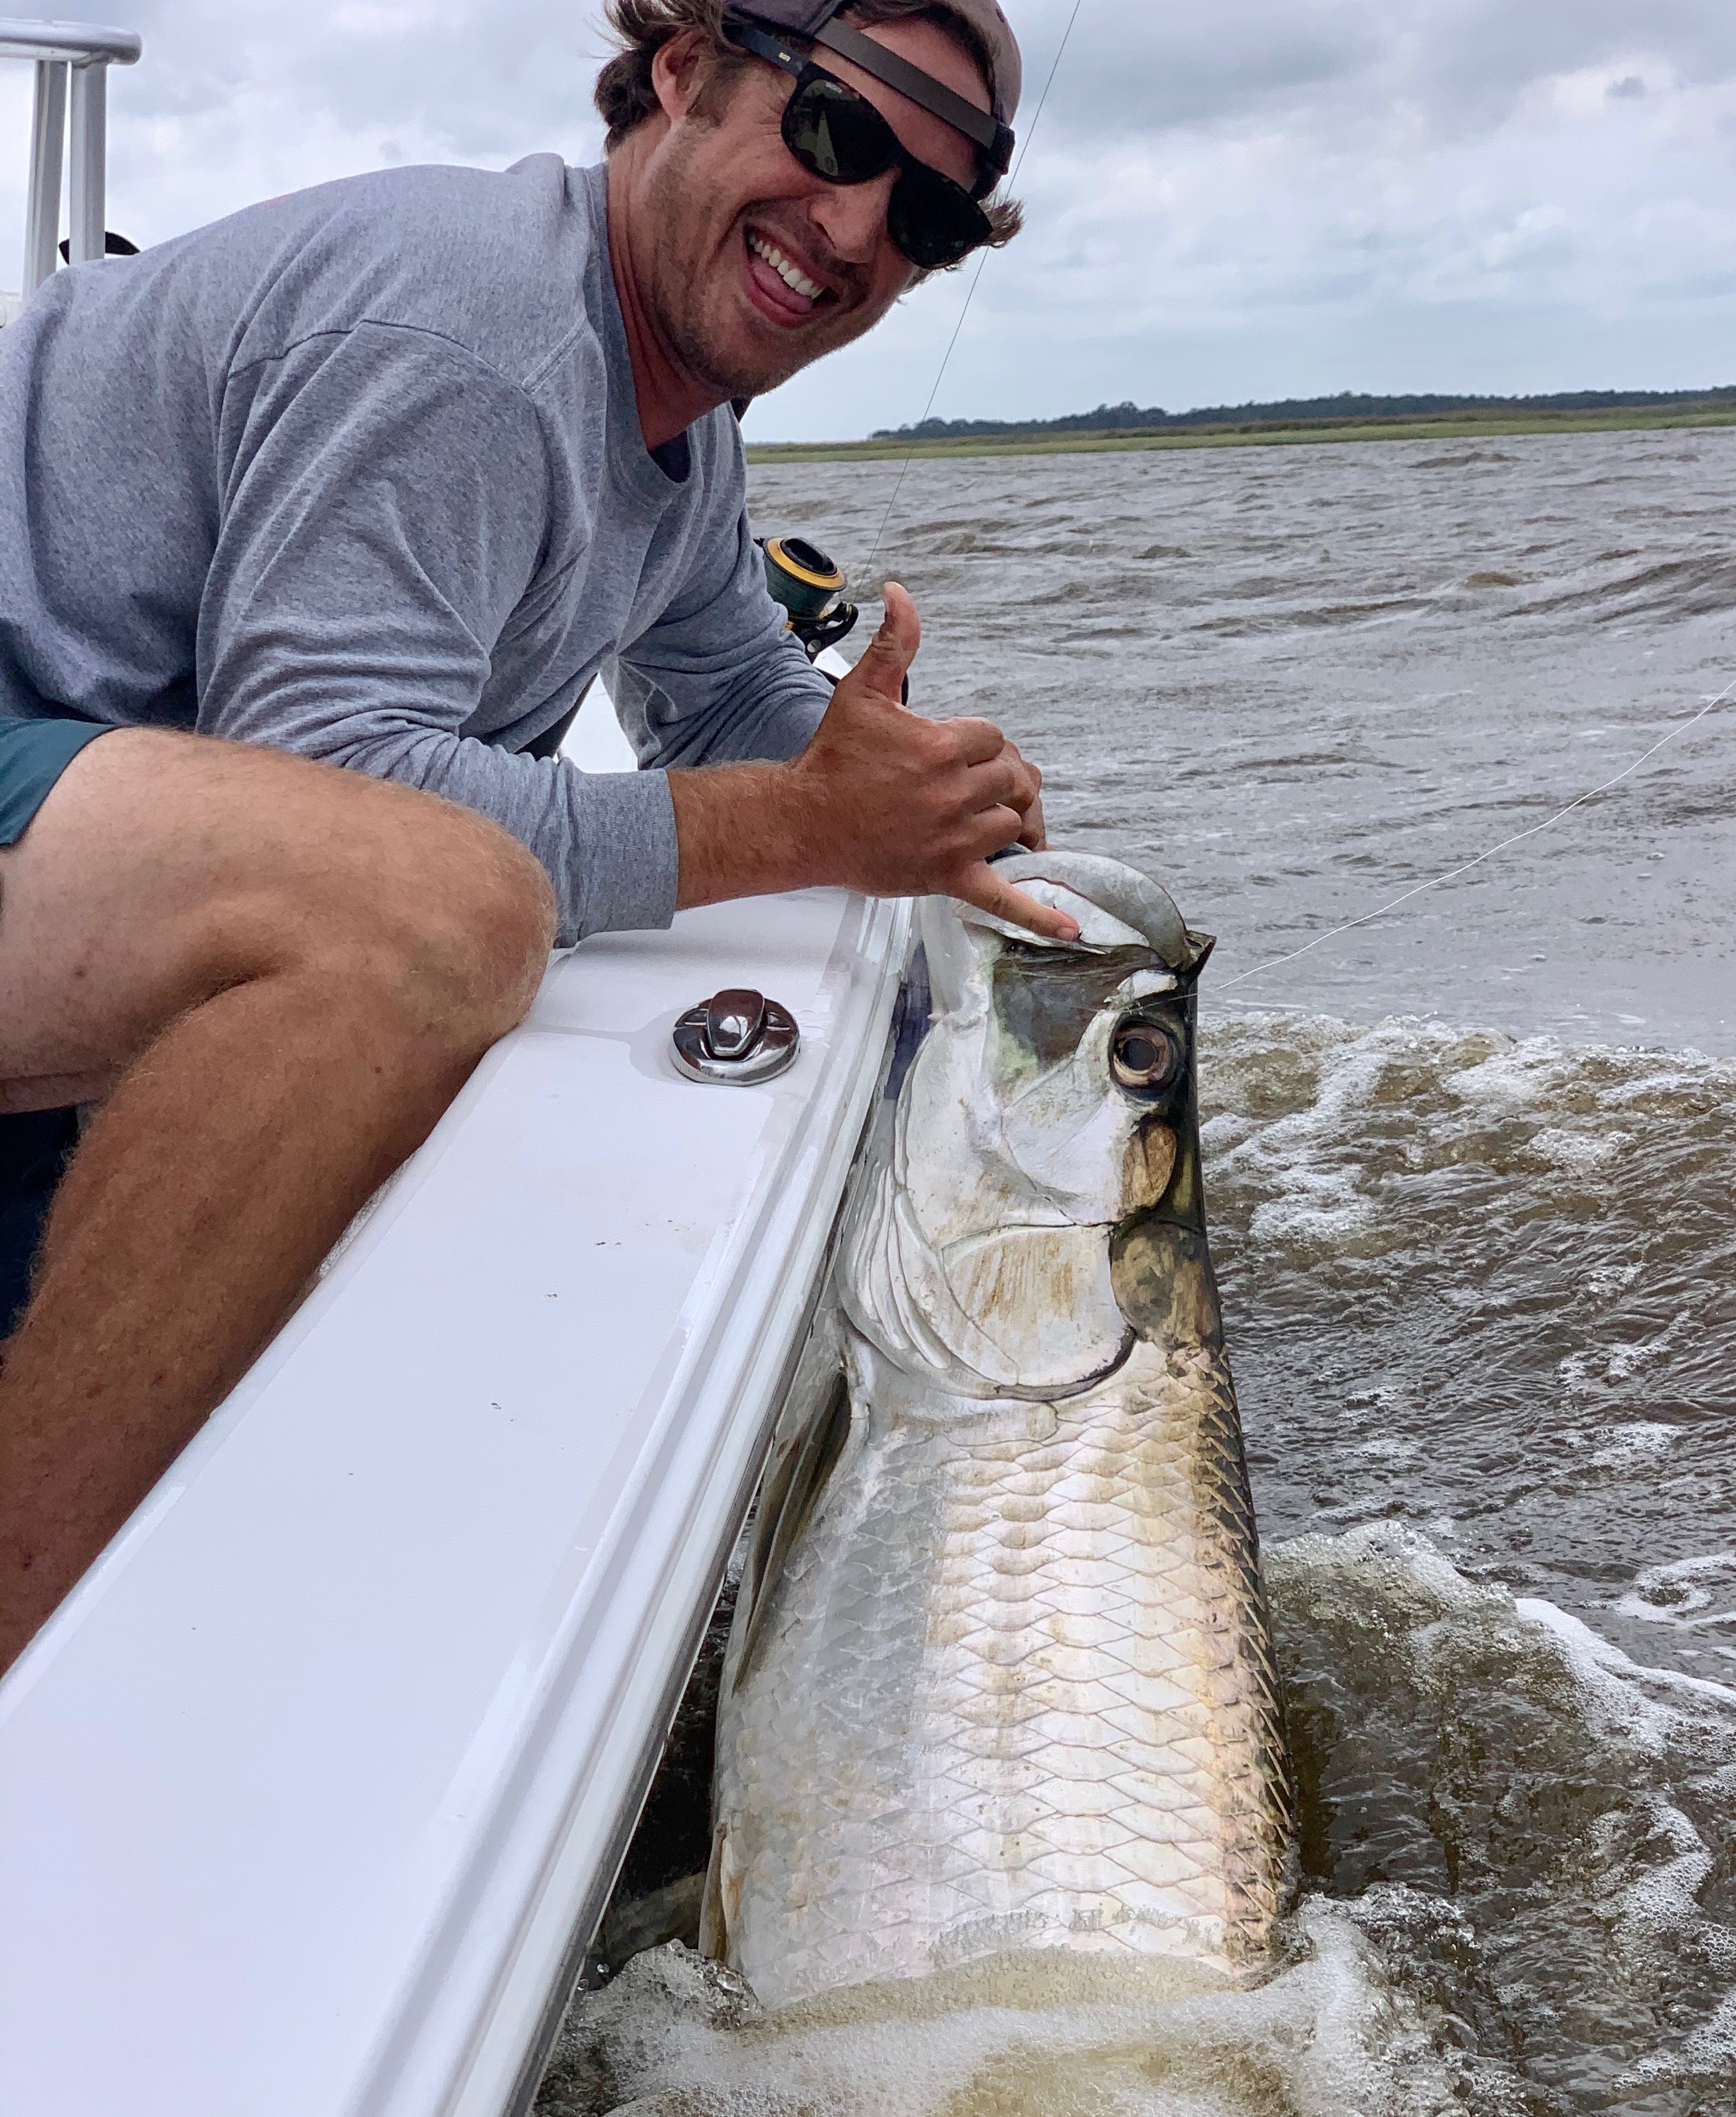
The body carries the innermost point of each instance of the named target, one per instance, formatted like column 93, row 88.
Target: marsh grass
column 1428, row 426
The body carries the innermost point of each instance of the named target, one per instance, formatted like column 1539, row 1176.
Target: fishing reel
column 807, row 583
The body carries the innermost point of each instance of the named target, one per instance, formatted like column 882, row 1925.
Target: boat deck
column 312, row 1792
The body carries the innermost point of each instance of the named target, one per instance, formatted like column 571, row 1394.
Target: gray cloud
column 1142, row 70
column 486, row 76
column 1486, row 54
column 1263, row 197
column 1456, row 67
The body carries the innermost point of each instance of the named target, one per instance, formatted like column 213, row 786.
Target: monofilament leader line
column 982, row 259
column 1590, row 794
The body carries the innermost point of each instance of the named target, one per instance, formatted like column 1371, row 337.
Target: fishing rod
column 982, row 259
column 805, row 579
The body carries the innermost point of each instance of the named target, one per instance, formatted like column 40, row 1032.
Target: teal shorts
column 33, row 754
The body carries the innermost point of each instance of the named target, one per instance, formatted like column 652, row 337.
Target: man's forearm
column 743, row 831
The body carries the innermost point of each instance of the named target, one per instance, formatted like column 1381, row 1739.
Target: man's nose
column 853, row 217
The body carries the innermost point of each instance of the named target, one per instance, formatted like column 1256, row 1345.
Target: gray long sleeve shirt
column 359, row 472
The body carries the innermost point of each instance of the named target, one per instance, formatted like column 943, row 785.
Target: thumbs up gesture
column 904, row 806
column 881, row 801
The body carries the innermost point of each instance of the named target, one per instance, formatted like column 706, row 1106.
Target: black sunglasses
column 838, row 135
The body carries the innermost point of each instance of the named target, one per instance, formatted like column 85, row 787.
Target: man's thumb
column 888, row 656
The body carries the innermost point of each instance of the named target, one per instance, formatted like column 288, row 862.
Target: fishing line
column 1417, row 889
column 1591, row 793
column 982, row 259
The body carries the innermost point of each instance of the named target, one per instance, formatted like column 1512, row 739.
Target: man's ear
column 678, row 71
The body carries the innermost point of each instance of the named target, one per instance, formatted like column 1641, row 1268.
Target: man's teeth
column 786, row 271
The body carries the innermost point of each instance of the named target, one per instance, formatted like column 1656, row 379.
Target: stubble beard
column 678, row 285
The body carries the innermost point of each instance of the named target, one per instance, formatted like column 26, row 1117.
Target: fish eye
column 1143, row 1054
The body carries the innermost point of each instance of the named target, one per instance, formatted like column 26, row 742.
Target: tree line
column 1297, row 411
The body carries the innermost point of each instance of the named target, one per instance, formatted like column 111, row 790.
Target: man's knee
column 166, row 869
column 388, row 895
column 454, row 918
column 495, row 911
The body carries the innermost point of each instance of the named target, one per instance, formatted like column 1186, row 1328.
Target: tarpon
column 1001, row 1675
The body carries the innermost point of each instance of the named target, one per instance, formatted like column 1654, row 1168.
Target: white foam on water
column 1579, row 1152
column 1322, row 1209
column 1624, row 1791
column 1642, row 1441
column 1388, row 1448
column 1036, row 2036
column 1595, row 1369
column 1607, row 1279
column 1313, row 1197
column 1706, row 2058
column 1574, row 1108
column 1224, row 1130
column 1514, row 1074
column 1419, row 1590
column 1406, row 1095
column 1617, row 1692
column 1683, row 1591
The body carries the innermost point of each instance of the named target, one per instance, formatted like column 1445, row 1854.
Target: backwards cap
column 814, row 20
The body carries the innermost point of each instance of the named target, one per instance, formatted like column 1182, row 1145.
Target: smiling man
column 730, row 205
column 385, row 472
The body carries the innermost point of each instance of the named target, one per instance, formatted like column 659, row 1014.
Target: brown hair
column 626, row 97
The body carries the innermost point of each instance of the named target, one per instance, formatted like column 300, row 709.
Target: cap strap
column 995, row 140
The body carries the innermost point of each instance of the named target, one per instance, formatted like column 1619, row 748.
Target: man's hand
column 880, row 801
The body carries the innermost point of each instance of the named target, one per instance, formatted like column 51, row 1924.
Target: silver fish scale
column 1013, row 1692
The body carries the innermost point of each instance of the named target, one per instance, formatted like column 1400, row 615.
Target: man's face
column 728, row 205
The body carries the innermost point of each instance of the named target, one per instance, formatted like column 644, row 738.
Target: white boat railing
column 75, row 56
column 312, row 1792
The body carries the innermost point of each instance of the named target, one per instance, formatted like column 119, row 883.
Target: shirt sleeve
column 383, row 508
column 717, row 679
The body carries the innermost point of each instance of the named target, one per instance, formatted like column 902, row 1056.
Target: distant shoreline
column 1427, row 425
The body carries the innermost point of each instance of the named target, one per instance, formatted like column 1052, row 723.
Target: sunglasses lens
column 836, row 134
column 933, row 221
column 840, row 136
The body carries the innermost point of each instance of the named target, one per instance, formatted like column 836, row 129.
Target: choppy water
column 1470, row 1170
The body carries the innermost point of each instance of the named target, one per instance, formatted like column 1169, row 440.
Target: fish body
column 1001, row 1677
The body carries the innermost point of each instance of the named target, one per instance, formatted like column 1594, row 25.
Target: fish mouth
column 1115, row 907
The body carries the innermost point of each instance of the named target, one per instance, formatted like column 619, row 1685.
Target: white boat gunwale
column 538, row 1818
column 790, row 1247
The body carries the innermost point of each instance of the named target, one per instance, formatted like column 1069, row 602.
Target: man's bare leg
column 285, row 972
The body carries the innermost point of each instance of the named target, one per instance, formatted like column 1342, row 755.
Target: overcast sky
column 1261, row 198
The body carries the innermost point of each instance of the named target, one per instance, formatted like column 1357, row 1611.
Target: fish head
column 1047, row 1116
